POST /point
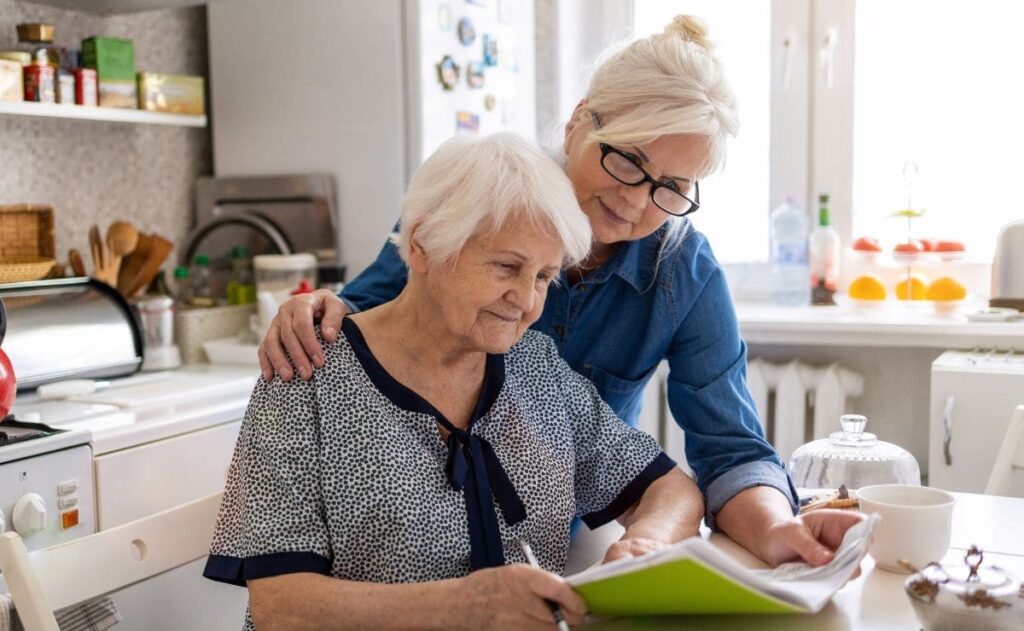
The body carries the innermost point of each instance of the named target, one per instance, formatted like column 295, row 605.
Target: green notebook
column 696, row 577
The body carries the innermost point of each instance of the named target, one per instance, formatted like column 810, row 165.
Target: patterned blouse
column 347, row 474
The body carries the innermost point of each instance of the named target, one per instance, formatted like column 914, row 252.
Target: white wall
column 314, row 86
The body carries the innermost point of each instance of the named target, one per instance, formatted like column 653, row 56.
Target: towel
column 95, row 615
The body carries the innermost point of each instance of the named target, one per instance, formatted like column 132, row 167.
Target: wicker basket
column 25, row 268
column 192, row 327
column 26, row 231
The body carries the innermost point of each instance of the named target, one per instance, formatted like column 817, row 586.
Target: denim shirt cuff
column 742, row 477
column 352, row 308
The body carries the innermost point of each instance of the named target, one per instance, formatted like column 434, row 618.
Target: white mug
column 916, row 524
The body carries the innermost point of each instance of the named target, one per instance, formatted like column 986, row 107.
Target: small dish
column 993, row 314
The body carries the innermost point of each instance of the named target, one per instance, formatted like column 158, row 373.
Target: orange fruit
column 946, row 288
column 918, row 285
column 867, row 287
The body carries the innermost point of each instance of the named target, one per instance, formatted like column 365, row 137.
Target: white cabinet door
column 980, row 405
column 147, row 479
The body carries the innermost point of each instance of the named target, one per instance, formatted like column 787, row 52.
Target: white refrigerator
column 364, row 90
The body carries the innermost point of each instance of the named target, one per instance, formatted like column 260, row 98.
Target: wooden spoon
column 77, row 265
column 122, row 237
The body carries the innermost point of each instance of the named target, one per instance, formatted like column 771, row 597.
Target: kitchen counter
column 886, row 326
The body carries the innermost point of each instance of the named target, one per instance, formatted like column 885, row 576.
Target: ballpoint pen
column 555, row 611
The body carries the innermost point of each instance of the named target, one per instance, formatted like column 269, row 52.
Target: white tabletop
column 876, row 599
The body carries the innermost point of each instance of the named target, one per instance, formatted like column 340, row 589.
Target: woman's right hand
column 512, row 597
column 292, row 331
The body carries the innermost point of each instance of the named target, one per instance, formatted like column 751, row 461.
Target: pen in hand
column 555, row 611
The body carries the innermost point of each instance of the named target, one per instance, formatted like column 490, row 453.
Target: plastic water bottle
column 790, row 268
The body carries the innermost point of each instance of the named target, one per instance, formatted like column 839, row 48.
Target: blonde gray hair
column 473, row 185
column 668, row 83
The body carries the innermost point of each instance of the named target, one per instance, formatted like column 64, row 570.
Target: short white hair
column 668, row 83
column 473, row 185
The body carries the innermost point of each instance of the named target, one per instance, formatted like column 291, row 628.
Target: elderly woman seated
column 394, row 488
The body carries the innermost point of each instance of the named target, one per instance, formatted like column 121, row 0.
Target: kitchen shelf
column 109, row 114
column 884, row 328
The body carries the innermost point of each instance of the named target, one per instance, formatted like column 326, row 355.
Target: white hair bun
column 691, row 29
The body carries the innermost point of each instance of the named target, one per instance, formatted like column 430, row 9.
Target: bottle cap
column 202, row 259
column 181, row 272
column 239, row 252
column 303, row 288
column 823, row 198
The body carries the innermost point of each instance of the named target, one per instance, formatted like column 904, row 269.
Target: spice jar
column 967, row 596
column 852, row 457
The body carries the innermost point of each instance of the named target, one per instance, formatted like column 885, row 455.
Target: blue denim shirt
column 617, row 324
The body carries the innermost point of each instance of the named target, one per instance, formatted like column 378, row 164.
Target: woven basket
column 21, row 269
column 26, row 230
column 195, row 326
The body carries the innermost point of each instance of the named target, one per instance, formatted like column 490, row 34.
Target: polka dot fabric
column 331, row 476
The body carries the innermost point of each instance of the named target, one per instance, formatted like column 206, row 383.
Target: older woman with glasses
column 655, row 120
column 395, row 489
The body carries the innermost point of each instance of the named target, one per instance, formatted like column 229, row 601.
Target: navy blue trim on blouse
column 236, row 571
column 472, row 465
column 633, row 491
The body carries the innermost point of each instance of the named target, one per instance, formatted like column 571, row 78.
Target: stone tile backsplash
column 97, row 172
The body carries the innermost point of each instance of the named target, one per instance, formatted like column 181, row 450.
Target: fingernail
column 286, row 375
column 318, row 360
column 329, row 331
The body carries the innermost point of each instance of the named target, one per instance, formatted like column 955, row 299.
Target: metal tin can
column 65, row 88
column 40, row 84
column 86, row 91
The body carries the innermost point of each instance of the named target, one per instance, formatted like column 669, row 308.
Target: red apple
column 909, row 247
column 867, row 244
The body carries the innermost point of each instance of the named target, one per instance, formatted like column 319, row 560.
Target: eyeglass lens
column 628, row 172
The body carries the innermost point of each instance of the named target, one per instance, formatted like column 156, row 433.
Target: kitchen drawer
column 147, row 479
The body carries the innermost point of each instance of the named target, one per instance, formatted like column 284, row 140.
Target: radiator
column 797, row 403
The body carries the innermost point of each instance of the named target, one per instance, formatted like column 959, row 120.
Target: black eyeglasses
column 625, row 168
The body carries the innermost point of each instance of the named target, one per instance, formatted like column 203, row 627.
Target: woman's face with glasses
column 621, row 212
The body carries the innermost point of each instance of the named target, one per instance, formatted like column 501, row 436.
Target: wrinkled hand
column 813, row 537
column 511, row 597
column 631, row 546
column 292, row 330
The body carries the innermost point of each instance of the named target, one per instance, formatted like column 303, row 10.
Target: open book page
column 797, row 584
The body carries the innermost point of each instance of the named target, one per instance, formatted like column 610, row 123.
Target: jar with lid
column 241, row 289
column 37, row 38
column 966, row 596
column 854, row 458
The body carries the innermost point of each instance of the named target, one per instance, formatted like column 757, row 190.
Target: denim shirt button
column 581, row 287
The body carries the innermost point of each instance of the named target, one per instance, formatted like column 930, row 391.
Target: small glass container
column 954, row 597
column 280, row 274
column 854, row 458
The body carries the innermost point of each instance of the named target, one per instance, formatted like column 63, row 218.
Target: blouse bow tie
column 474, row 467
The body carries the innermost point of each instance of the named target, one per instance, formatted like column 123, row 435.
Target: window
column 738, row 195
column 938, row 84
column 838, row 96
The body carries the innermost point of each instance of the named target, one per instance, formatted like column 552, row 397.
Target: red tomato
column 949, row 246
column 867, row 244
column 930, row 244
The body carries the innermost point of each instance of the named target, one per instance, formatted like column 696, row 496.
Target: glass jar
column 953, row 597
column 852, row 457
column 281, row 274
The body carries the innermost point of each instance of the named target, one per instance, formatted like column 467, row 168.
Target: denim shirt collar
column 633, row 262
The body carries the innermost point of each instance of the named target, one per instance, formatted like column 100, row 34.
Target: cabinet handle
column 947, row 423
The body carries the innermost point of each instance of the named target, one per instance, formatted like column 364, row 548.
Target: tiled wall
column 96, row 172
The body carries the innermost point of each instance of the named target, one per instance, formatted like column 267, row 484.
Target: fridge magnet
column 475, row 74
column 467, row 32
column 444, row 17
column 466, row 123
column 490, row 102
column 448, row 72
column 490, row 50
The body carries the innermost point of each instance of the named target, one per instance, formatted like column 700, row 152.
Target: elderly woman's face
column 496, row 288
column 619, row 212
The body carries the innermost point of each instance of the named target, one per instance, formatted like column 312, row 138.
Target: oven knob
column 29, row 514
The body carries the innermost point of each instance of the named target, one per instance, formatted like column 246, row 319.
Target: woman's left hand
column 813, row 537
column 633, row 546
